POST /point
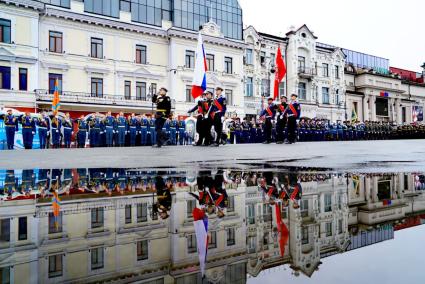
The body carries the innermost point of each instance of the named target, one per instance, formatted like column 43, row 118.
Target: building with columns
column 113, row 55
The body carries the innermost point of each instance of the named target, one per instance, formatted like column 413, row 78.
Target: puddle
column 266, row 224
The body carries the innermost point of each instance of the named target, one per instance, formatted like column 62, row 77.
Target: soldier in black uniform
column 163, row 110
column 281, row 120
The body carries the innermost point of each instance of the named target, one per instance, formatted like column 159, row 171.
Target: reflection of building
column 101, row 237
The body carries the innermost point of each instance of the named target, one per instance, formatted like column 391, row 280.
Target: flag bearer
column 56, row 131
column 163, row 110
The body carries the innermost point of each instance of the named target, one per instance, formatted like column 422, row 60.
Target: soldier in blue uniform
column 43, row 126
column 28, row 130
column 152, row 130
column 302, row 130
column 109, row 126
column 83, row 127
column 268, row 113
column 68, row 130
column 166, row 131
column 121, row 129
column 11, row 124
column 182, row 131
column 95, row 124
column 281, row 120
column 245, row 130
column 293, row 112
column 173, row 131
column 219, row 108
column 144, row 124
column 56, row 127
column 133, row 124
column 340, row 131
column 163, row 110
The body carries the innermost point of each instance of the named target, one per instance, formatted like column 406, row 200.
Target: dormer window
column 304, row 35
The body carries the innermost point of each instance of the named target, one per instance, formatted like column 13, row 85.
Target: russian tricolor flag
column 384, row 94
column 199, row 84
column 200, row 221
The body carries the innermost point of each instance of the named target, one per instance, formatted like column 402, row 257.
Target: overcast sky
column 393, row 29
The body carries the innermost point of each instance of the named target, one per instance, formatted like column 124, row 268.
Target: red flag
column 280, row 72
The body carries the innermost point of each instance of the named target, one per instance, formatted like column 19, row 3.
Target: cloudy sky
column 393, row 29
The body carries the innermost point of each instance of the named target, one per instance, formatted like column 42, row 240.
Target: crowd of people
column 278, row 122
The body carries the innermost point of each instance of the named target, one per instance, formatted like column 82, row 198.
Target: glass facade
column 61, row 3
column 151, row 12
column 190, row 14
column 362, row 60
column 109, row 8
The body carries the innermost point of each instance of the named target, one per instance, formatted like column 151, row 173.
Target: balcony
column 92, row 99
column 307, row 72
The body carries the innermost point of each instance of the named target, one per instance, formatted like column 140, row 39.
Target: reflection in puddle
column 127, row 225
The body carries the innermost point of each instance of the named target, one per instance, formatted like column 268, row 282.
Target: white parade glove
column 33, row 133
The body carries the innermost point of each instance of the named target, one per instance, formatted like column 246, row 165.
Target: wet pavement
column 354, row 156
column 266, row 223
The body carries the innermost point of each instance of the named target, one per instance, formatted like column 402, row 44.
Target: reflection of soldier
column 163, row 193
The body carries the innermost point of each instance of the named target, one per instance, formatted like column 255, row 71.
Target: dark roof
column 273, row 37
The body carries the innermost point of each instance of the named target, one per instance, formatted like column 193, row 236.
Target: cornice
column 36, row 5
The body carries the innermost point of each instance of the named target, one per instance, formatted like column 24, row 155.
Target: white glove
column 101, row 132
column 33, row 133
column 72, row 132
column 57, row 131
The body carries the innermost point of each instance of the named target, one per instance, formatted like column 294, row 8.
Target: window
column 328, row 229
column 96, row 47
column 55, row 265
column 61, row 3
column 325, row 95
column 210, row 62
column 406, row 182
column 262, row 58
column 212, row 241
column 304, row 235
column 5, row 230
column 5, row 31
column 127, row 90
column 4, row 77
column 336, row 71
column 282, row 89
column 190, row 59
column 328, row 203
column 249, row 88
column 55, row 41
column 191, row 244
column 251, row 214
column 265, row 87
column 128, row 214
column 5, row 275
column 141, row 54
column 266, row 239
column 141, row 91
column 97, row 87
column 249, row 58
column 142, row 212
column 325, row 68
column 23, row 79
column 97, row 258
column 302, row 91
column 190, row 205
column 231, row 205
column 97, row 218
column 301, row 64
column 267, row 213
column 304, row 207
column 52, row 80
column 273, row 59
column 55, row 223
column 230, row 236
column 228, row 65
column 189, row 97
column 109, row 8
column 381, row 106
column 142, row 250
column 125, row 5
column 340, row 226
column 22, row 228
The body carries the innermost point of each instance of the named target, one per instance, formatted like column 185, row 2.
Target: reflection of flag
column 199, row 84
column 56, row 102
column 280, row 72
column 282, row 229
column 384, row 94
column 56, row 207
column 200, row 221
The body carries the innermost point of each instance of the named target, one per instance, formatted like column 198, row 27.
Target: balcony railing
column 307, row 72
column 99, row 99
